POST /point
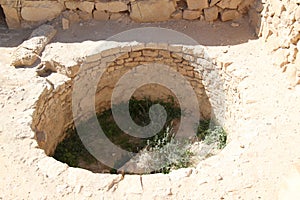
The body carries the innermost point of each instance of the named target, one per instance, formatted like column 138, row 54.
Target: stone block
column 112, row 6
column 40, row 10
column 227, row 15
column 65, row 23
column 100, row 15
column 197, row 4
column 151, row 11
column 11, row 17
column 191, row 14
column 231, row 4
column 211, row 14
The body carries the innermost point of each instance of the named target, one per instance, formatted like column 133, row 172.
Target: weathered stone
column 116, row 16
column 197, row 4
column 100, row 15
column 71, row 16
column 11, row 17
column 65, row 23
column 191, row 14
column 177, row 14
column 112, row 6
column 27, row 53
column 151, row 11
column 211, row 14
column 85, row 6
column 227, row 15
column 231, row 4
column 40, row 10
column 277, row 6
column 85, row 15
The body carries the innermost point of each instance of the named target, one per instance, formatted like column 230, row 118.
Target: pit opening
column 56, row 129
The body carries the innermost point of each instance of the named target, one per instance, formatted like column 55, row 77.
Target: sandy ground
column 268, row 142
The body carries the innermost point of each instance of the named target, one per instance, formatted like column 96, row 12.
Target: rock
column 27, row 53
column 71, row 16
column 191, row 14
column 151, row 11
column 65, row 23
column 85, row 15
column 100, row 15
column 85, row 6
column 40, row 10
column 11, row 17
column 116, row 16
column 197, row 4
column 177, row 14
column 227, row 15
column 211, row 14
column 231, row 4
column 112, row 6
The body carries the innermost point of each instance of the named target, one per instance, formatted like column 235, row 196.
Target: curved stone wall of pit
column 214, row 87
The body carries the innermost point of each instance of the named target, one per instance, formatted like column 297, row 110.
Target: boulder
column 41, row 10
column 211, row 14
column 152, row 10
column 197, row 4
column 28, row 52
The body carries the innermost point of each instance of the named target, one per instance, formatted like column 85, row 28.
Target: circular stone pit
column 53, row 114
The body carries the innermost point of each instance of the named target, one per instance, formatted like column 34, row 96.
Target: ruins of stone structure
column 278, row 22
column 234, row 173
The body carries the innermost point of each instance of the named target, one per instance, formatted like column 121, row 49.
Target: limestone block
column 152, row 10
column 231, row 4
column 100, row 15
column 11, row 16
column 177, row 14
column 197, row 4
column 40, row 10
column 85, row 15
column 71, row 16
column 65, row 23
column 113, row 6
column 277, row 6
column 227, row 15
column 115, row 16
column 85, row 6
column 191, row 14
column 211, row 14
column 27, row 53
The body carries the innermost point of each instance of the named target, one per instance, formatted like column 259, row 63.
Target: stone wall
column 278, row 23
column 26, row 13
column 53, row 114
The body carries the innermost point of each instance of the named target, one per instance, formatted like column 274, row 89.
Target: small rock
column 234, row 24
column 65, row 23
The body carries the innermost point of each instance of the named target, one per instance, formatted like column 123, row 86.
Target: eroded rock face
column 28, row 52
column 152, row 10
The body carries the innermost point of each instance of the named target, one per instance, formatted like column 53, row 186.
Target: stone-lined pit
column 53, row 114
